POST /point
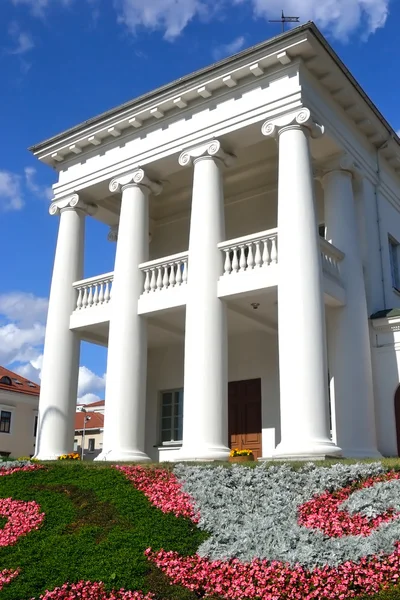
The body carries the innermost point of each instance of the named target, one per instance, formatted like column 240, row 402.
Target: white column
column 301, row 312
column 349, row 342
column 125, row 407
column 205, row 414
column 59, row 384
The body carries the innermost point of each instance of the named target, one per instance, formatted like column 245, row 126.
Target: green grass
column 97, row 527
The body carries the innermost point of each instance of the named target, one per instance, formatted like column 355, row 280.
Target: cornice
column 299, row 118
column 180, row 97
column 138, row 178
column 211, row 149
column 73, row 202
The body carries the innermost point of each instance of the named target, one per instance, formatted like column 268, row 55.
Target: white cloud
column 89, row 382
column 23, row 307
column 169, row 16
column 339, row 17
column 10, row 191
column 89, row 399
column 38, row 7
column 41, row 191
column 23, row 40
column 228, row 49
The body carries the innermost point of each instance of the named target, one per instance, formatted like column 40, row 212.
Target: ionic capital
column 113, row 234
column 73, row 202
column 137, row 178
column 341, row 163
column 212, row 149
column 300, row 118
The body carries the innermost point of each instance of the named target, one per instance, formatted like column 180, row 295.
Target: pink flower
column 91, row 591
column 163, row 490
column 23, row 517
column 7, row 576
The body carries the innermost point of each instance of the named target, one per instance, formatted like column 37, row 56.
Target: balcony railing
column 260, row 250
column 250, row 252
column 95, row 291
column 165, row 273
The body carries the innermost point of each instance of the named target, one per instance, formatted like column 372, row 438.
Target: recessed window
column 5, row 421
column 394, row 262
column 321, row 230
column 17, row 381
column 32, row 385
column 35, row 424
column 171, row 416
column 6, row 380
column 75, row 445
column 91, row 444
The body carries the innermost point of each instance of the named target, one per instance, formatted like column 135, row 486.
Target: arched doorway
column 397, row 417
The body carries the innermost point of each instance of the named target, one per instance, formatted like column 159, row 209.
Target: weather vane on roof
column 285, row 20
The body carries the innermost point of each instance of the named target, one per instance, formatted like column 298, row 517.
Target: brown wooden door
column 244, row 410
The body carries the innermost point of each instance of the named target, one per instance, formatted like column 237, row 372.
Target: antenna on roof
column 285, row 20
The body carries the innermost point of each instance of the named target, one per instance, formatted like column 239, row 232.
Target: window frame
column 9, row 409
column 162, row 393
column 394, row 258
column 94, row 445
column 35, row 425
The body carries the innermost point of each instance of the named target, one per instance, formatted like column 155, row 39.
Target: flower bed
column 163, row 490
column 22, row 517
column 323, row 533
column 6, row 576
column 91, row 591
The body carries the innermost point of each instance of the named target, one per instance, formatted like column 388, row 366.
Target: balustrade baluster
column 90, row 296
column 172, row 274
column 85, row 297
column 250, row 257
column 165, row 280
column 79, row 299
column 235, row 261
column 147, row 281
column 178, row 272
column 159, row 278
column 274, row 251
column 266, row 258
column 107, row 291
column 185, row 270
column 258, row 258
column 243, row 261
column 96, row 295
column 153, row 281
column 101, row 292
column 228, row 263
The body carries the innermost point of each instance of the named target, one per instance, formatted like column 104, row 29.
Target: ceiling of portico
column 255, row 168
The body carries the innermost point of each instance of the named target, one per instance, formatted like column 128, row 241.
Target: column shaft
column 59, row 384
column 205, row 424
column 301, row 311
column 349, row 343
column 125, row 408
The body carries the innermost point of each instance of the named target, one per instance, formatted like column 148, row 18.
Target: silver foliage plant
column 253, row 513
column 374, row 501
column 12, row 464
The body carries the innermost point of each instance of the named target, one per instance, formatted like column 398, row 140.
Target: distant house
column 91, row 432
column 19, row 399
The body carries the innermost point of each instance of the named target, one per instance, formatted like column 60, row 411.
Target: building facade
column 254, row 207
column 19, row 399
column 89, row 427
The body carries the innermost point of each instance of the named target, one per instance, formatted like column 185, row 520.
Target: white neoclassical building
column 255, row 211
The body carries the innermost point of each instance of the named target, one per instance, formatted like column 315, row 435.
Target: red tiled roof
column 18, row 383
column 99, row 403
column 96, row 420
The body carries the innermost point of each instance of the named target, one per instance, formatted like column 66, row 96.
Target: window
column 5, row 421
column 91, row 444
column 6, row 380
column 35, row 424
column 171, row 416
column 321, row 230
column 75, row 445
column 394, row 262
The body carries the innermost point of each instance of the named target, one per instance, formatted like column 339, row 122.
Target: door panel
column 244, row 404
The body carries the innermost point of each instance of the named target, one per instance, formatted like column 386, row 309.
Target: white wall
column 20, row 441
column 386, row 370
column 251, row 356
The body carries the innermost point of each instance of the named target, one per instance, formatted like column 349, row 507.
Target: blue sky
column 64, row 61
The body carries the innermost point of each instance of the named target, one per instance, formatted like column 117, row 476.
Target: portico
column 237, row 259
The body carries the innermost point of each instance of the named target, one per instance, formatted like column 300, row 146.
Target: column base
column 312, row 450
column 203, row 454
column 48, row 456
column 123, row 456
column 361, row 453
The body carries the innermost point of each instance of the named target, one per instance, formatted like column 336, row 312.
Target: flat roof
column 309, row 26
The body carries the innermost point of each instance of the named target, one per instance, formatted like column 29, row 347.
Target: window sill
column 169, row 446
